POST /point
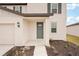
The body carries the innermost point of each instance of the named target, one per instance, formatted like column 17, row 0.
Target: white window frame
column 54, row 8
column 54, row 25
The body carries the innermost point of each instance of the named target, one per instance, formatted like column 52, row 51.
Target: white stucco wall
column 27, row 30
column 60, row 19
column 73, row 30
column 10, row 7
column 30, row 29
column 35, row 8
column 32, row 8
column 6, row 18
column 7, row 32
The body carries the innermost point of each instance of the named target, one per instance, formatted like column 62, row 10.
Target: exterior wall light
column 18, row 24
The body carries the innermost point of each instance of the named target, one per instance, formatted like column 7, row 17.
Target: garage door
column 7, row 33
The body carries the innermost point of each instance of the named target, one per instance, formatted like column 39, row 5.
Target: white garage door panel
column 6, row 34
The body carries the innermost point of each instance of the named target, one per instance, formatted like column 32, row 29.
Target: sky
column 72, row 13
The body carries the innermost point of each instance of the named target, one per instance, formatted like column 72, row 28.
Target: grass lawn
column 73, row 39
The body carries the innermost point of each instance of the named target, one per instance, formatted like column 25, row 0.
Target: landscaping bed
column 62, row 48
column 20, row 51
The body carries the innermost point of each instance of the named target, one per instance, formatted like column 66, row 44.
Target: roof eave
column 38, row 15
column 73, row 24
column 13, row 3
column 28, row 14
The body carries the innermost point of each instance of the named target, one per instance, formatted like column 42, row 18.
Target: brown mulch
column 20, row 51
column 56, row 48
column 62, row 48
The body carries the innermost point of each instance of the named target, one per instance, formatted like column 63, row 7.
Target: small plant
column 66, row 46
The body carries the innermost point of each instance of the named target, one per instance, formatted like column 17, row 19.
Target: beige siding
column 73, row 30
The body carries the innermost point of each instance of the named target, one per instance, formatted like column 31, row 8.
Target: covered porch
column 35, row 30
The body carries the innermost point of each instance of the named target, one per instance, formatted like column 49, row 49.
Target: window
column 59, row 8
column 17, row 8
column 53, row 27
column 54, row 8
column 39, row 30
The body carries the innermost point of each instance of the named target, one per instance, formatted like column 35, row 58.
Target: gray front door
column 39, row 30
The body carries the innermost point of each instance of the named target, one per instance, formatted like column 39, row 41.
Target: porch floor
column 4, row 48
column 35, row 43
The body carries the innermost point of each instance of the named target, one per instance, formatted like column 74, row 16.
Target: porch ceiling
column 37, row 14
column 35, row 18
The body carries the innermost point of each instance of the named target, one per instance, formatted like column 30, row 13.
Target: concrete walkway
column 40, row 51
column 5, row 48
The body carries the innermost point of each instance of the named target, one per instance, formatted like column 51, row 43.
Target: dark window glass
column 54, row 8
column 53, row 27
column 14, row 8
column 49, row 7
column 17, row 8
column 59, row 8
column 53, row 30
column 20, row 9
column 39, row 30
